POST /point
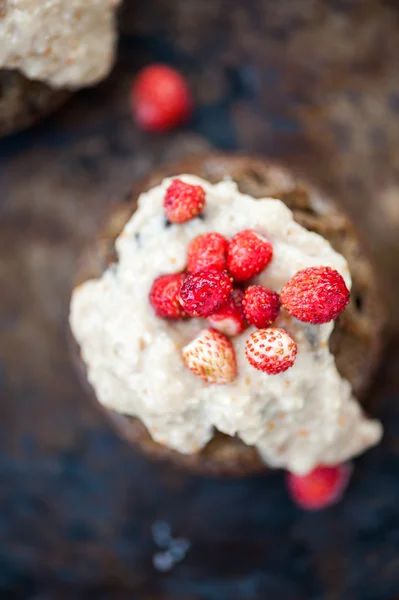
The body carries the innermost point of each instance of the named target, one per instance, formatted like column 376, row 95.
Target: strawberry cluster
column 212, row 287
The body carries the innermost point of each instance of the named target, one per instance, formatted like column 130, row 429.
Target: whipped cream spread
column 297, row 419
column 65, row 43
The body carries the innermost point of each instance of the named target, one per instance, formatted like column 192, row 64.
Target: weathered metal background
column 312, row 82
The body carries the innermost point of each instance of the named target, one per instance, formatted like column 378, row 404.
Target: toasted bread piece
column 24, row 102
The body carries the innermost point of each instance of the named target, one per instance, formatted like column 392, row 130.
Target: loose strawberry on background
column 248, row 253
column 164, row 296
column 207, row 252
column 321, row 488
column 315, row 295
column 230, row 319
column 271, row 350
column 160, row 98
column 205, row 292
column 183, row 201
column 261, row 306
column 211, row 356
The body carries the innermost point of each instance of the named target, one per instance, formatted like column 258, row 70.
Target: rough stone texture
column 311, row 82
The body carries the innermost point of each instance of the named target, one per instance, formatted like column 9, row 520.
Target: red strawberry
column 164, row 296
column 161, row 98
column 316, row 295
column 261, row 306
column 211, row 356
column 183, row 201
column 207, row 252
column 205, row 292
column 230, row 319
column 321, row 488
column 271, row 350
column 248, row 253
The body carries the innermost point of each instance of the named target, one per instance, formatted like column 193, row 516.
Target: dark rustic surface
column 308, row 81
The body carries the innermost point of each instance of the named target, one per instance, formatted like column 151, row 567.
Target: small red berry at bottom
column 164, row 296
column 271, row 350
column 321, row 488
column 160, row 98
column 205, row 292
column 207, row 252
column 248, row 253
column 183, row 201
column 261, row 306
column 315, row 295
column 230, row 319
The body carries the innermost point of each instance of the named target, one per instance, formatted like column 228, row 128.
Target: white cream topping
column 65, row 43
column 298, row 419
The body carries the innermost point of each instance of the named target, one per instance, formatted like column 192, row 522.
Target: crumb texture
column 65, row 43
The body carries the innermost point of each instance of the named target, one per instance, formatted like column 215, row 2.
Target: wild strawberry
column 321, row 488
column 207, row 252
column 205, row 292
column 164, row 296
column 248, row 253
column 261, row 306
column 316, row 295
column 271, row 350
column 160, row 98
column 230, row 319
column 183, row 201
column 211, row 356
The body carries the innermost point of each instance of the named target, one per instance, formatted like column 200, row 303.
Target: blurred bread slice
column 24, row 102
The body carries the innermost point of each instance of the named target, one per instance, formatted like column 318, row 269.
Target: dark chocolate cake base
column 356, row 339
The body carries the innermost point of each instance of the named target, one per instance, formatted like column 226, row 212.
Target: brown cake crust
column 24, row 102
column 356, row 340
